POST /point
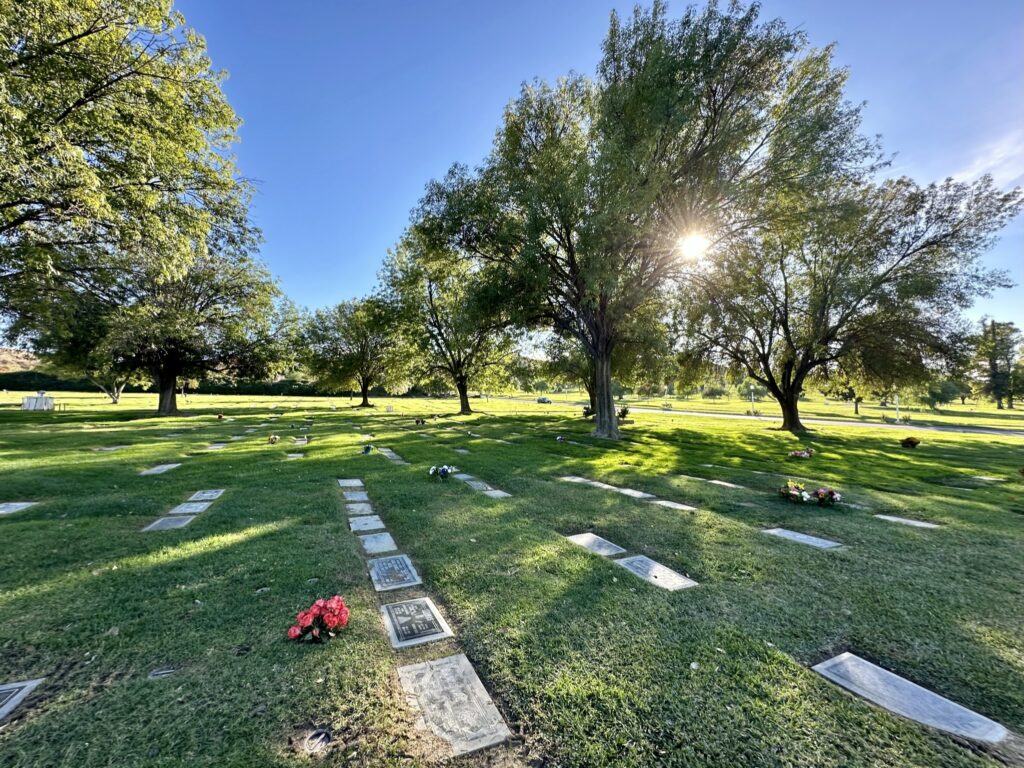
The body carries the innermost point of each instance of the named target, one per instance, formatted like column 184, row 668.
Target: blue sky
column 350, row 107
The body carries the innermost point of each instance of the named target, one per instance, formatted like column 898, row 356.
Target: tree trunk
column 789, row 402
column 592, row 394
column 606, row 424
column 364, row 390
column 166, row 384
column 856, row 407
column 462, row 384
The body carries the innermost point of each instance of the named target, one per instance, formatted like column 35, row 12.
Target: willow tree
column 870, row 279
column 453, row 315
column 355, row 342
column 590, row 185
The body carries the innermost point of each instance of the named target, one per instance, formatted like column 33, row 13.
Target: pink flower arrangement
column 803, row 453
column 321, row 621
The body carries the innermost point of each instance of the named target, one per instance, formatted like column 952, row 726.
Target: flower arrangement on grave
column 367, row 448
column 559, row 439
column 220, row 417
column 420, row 422
column 910, row 442
column 443, row 472
column 798, row 494
column 623, row 411
column 273, row 439
column 321, row 621
column 587, row 411
column 803, row 453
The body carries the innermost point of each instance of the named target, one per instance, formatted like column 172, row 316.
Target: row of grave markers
column 451, row 699
column 851, row 672
column 186, row 512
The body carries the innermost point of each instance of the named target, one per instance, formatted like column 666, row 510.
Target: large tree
column 71, row 335
column 453, row 315
column 869, row 279
column 591, row 185
column 355, row 342
column 115, row 137
column 219, row 318
column 998, row 354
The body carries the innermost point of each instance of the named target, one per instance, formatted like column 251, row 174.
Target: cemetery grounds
column 588, row 664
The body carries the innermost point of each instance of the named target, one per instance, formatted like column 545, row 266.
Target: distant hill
column 15, row 360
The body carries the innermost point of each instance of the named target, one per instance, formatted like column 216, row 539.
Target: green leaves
column 115, row 137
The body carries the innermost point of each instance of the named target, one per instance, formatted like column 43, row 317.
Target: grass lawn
column 971, row 414
column 589, row 665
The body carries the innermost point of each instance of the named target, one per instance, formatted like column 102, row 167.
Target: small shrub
column 910, row 442
column 587, row 411
column 623, row 411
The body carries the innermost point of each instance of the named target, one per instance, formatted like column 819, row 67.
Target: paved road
column 820, row 422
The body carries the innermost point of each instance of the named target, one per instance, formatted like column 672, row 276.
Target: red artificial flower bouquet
column 321, row 621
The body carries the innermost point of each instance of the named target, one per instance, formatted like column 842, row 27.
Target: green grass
column 972, row 414
column 590, row 666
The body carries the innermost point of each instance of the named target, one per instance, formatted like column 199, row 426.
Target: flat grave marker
column 414, row 622
column 673, row 505
column 899, row 695
column 159, row 469
column 191, row 508
column 12, row 694
column 365, row 523
column 394, row 572
column 210, row 495
column 216, row 446
column 462, row 450
column 351, row 483
column 168, row 523
column 392, row 456
column 494, row 493
column 802, row 538
column 454, row 704
column 478, row 485
column 655, row 573
column 908, row 521
column 110, row 448
column 356, row 495
column 10, row 507
column 596, row 544
column 293, row 456
column 377, row 543
column 634, row 494
column 359, row 508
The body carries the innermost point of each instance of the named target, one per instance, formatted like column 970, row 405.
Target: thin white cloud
column 1002, row 158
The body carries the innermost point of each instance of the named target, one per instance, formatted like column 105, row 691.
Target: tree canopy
column 870, row 278
column 355, row 342
column 453, row 315
column 590, row 185
column 116, row 138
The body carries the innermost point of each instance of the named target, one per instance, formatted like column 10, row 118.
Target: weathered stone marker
column 394, row 572
column 898, row 695
column 454, row 703
column 655, row 573
column 596, row 544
